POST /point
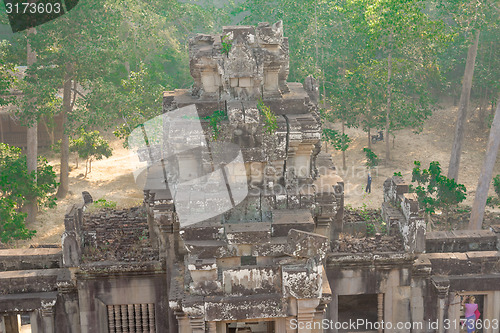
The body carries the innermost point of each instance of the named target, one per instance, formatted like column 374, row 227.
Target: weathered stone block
column 284, row 220
column 251, row 281
column 247, row 307
column 306, row 244
column 248, row 233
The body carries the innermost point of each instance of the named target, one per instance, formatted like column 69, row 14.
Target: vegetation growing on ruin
column 226, row 45
column 269, row 118
column 101, row 203
column 379, row 64
column 436, row 191
column 215, row 120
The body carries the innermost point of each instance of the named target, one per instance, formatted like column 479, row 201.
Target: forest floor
column 112, row 178
column 432, row 144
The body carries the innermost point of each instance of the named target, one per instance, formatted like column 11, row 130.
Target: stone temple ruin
column 279, row 260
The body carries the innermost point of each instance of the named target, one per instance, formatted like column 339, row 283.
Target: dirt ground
column 432, row 144
column 112, row 178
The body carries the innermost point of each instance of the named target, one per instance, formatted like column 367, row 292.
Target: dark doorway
column 354, row 307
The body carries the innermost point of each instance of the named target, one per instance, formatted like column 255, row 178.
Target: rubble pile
column 117, row 235
column 378, row 243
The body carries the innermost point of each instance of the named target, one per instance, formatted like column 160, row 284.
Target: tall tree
column 75, row 48
column 6, row 79
column 402, row 37
column 477, row 213
column 468, row 18
column 456, row 150
column 32, row 137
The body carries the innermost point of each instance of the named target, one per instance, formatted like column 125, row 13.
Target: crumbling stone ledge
column 358, row 260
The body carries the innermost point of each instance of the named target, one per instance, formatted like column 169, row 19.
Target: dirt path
column 112, row 178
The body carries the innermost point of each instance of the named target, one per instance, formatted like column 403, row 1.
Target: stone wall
column 25, row 259
column 400, row 211
column 119, row 235
column 460, row 241
column 107, row 234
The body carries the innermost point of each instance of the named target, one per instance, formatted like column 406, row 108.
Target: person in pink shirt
column 470, row 316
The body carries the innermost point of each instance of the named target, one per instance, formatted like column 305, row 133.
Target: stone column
column 319, row 314
column 47, row 312
column 380, row 310
column 420, row 273
column 287, row 326
column 441, row 304
column 183, row 322
column 167, row 232
column 221, row 327
column 388, row 305
column 454, row 311
column 197, row 324
column 11, row 323
column 212, row 327
column 442, row 288
column 306, row 308
column 332, row 313
column 496, row 308
column 491, row 311
column 67, row 309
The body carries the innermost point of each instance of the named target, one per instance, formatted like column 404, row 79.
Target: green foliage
column 496, row 185
column 103, row 203
column 137, row 99
column 372, row 159
column 373, row 219
column 494, row 201
column 18, row 187
column 214, row 121
column 226, row 45
column 338, row 140
column 269, row 118
column 6, row 79
column 90, row 146
column 436, row 191
column 398, row 174
column 370, row 229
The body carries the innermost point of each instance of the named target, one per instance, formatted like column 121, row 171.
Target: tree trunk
column 369, row 138
column 456, row 150
column 481, row 114
column 389, row 93
column 477, row 213
column 343, row 150
column 484, row 103
column 32, row 141
column 64, row 173
column 50, row 133
column 1, row 130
